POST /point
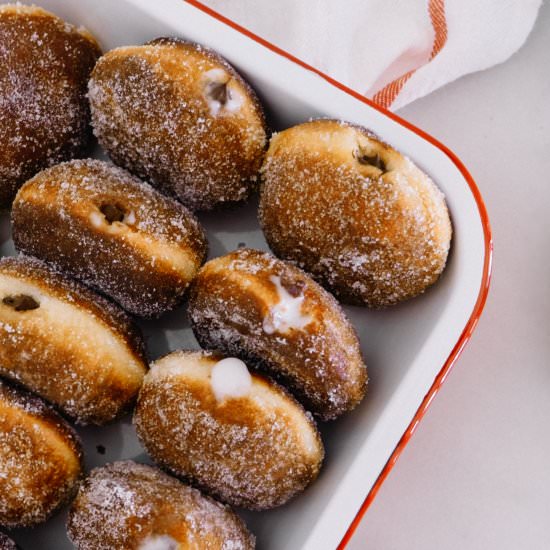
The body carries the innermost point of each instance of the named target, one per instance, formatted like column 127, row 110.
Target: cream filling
column 159, row 542
column 264, row 395
column 286, row 315
column 230, row 379
column 234, row 100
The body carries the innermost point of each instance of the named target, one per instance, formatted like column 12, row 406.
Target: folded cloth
column 392, row 51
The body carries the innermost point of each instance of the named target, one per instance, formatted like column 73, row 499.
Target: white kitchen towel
column 392, row 51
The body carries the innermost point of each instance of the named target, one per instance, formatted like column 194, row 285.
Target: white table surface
column 476, row 474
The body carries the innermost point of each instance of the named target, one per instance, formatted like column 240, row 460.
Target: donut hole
column 221, row 92
column 112, row 212
column 294, row 288
column 218, row 91
column 370, row 158
column 21, row 302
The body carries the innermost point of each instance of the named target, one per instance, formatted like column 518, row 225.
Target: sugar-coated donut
column 261, row 309
column 178, row 115
column 235, row 435
column 45, row 64
column 348, row 208
column 67, row 344
column 40, row 459
column 6, row 543
column 112, row 231
column 137, row 507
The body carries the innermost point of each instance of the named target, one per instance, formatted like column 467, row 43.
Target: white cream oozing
column 159, row 542
column 130, row 218
column 234, row 101
column 286, row 314
column 230, row 379
column 97, row 218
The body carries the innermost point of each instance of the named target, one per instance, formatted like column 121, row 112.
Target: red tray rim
column 487, row 262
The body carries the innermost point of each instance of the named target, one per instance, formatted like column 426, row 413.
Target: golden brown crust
column 230, row 302
column 127, row 505
column 62, row 287
column 67, row 344
column 348, row 208
column 40, row 459
column 256, row 451
column 111, row 231
column 151, row 111
column 44, row 68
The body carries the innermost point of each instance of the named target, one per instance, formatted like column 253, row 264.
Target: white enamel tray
column 409, row 348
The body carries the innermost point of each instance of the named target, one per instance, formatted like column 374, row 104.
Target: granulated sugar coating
column 44, row 68
column 67, row 344
column 256, row 451
column 112, row 231
column 40, row 460
column 133, row 506
column 181, row 117
column 356, row 214
column 6, row 543
column 270, row 313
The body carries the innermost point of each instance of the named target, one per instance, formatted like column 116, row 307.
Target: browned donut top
column 55, row 284
column 40, row 458
column 354, row 212
column 113, row 203
column 249, row 302
column 44, row 68
column 255, row 449
column 67, row 344
column 178, row 114
column 129, row 505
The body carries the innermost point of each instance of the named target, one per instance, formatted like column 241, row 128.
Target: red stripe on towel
column 386, row 96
